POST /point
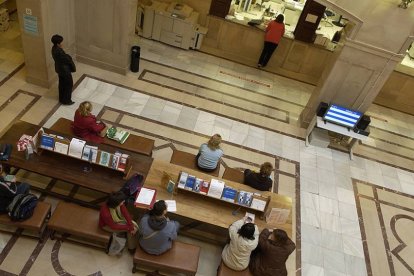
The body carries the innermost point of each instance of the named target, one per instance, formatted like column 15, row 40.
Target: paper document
column 258, row 204
column 76, row 147
column 145, row 196
column 171, row 205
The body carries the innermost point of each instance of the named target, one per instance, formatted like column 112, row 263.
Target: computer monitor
column 342, row 116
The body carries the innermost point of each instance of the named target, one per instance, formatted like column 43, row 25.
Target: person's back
column 243, row 240
column 275, row 31
column 261, row 180
column 85, row 125
column 209, row 154
column 272, row 254
column 157, row 232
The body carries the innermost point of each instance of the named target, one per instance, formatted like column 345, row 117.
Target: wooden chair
column 223, row 270
column 35, row 223
column 233, row 175
column 70, row 219
column 188, row 160
column 181, row 258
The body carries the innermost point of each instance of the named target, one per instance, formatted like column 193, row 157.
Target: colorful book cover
column 123, row 162
column 197, row 185
column 229, row 194
column 204, row 187
column 47, row 142
column 245, row 198
column 86, row 153
column 189, row 184
column 105, row 157
column 115, row 160
column 182, row 180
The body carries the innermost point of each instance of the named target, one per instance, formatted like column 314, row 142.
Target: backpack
column 22, row 207
column 132, row 187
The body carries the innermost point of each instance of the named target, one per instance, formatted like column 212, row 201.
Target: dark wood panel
column 220, row 8
column 305, row 30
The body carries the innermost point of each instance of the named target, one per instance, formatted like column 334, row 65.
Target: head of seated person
column 85, row 108
column 247, row 231
column 116, row 200
column 214, row 142
column 157, row 215
column 279, row 236
column 266, row 169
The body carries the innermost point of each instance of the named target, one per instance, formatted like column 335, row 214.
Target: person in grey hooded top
column 157, row 231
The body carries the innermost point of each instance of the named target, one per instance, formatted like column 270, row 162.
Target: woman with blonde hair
column 86, row 126
column 209, row 154
column 261, row 180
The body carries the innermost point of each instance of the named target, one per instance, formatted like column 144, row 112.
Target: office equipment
column 342, row 116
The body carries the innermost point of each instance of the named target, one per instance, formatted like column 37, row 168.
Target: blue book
column 245, row 198
column 47, row 142
column 229, row 194
column 197, row 185
column 189, row 184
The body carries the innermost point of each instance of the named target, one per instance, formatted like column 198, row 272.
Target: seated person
column 85, row 125
column 270, row 257
column 260, row 181
column 9, row 189
column 243, row 240
column 157, row 231
column 115, row 218
column 209, row 154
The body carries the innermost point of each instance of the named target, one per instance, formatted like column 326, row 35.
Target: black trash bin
column 135, row 55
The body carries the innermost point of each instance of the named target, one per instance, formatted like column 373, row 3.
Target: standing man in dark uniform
column 64, row 67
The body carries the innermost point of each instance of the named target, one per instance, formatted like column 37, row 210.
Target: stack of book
column 217, row 189
column 117, row 134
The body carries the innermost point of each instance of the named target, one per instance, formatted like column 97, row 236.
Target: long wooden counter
column 294, row 59
column 66, row 168
column 209, row 210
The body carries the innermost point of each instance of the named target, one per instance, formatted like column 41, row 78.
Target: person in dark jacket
column 269, row 259
column 8, row 190
column 157, row 230
column 86, row 126
column 260, row 181
column 64, row 67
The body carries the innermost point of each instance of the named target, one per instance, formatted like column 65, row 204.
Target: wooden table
column 70, row 169
column 209, row 210
column 134, row 143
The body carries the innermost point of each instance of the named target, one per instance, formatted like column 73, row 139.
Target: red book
column 145, row 198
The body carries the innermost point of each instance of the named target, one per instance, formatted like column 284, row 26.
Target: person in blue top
column 209, row 154
column 157, row 231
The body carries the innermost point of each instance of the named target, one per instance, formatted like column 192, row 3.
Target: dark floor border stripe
column 144, row 73
column 386, row 151
column 9, row 76
column 229, row 84
column 9, row 245
column 362, row 227
column 34, row 255
column 201, row 109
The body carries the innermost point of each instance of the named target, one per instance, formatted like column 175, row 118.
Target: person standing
column 274, row 32
column 64, row 67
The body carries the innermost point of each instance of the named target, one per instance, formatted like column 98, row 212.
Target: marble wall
column 103, row 38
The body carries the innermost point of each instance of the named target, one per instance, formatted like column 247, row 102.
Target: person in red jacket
column 85, row 125
column 274, row 32
column 114, row 217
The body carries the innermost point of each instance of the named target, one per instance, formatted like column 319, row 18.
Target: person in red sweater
column 85, row 125
column 114, row 217
column 274, row 32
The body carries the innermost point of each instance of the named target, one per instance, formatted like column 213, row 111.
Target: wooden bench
column 233, row 175
column 223, row 270
column 80, row 222
column 188, row 160
column 134, row 143
column 181, row 258
column 36, row 223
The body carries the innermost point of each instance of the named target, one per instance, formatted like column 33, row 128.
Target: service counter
column 243, row 44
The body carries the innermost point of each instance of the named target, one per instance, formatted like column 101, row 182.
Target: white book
column 258, row 204
column 171, row 205
column 145, row 196
column 183, row 180
column 61, row 147
column 76, row 147
column 216, row 188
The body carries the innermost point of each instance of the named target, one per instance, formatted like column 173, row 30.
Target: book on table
column 47, row 142
column 204, row 187
column 245, row 198
column 189, row 184
column 115, row 160
column 216, row 188
column 145, row 198
column 104, row 159
column 76, row 147
column 61, row 147
column 171, row 205
column 90, row 153
column 249, row 217
column 258, row 203
column 182, row 180
column 117, row 134
column 197, row 185
column 123, row 160
column 229, row 194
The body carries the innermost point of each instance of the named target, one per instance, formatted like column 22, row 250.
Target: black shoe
column 69, row 103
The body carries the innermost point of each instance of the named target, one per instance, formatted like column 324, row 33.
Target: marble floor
column 351, row 217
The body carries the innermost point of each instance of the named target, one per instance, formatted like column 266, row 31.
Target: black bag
column 132, row 187
column 22, row 207
column 5, row 151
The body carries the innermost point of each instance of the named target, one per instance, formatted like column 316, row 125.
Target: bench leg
column 52, row 235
